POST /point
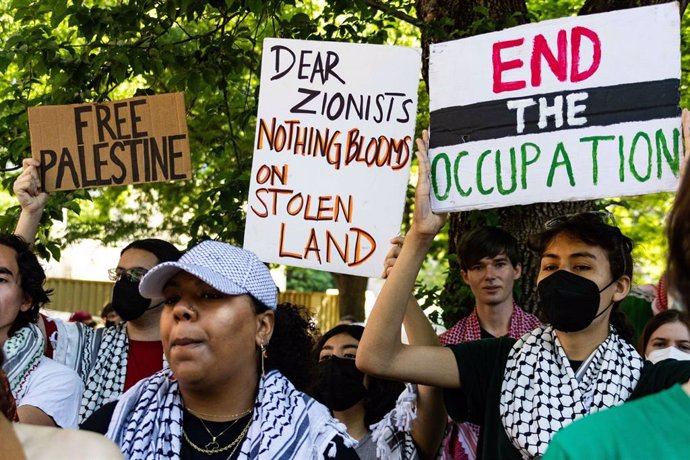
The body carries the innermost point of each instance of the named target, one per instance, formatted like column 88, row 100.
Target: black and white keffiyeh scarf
column 23, row 352
column 393, row 433
column 286, row 423
column 105, row 380
column 541, row 394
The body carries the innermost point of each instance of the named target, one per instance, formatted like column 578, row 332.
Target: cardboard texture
column 131, row 141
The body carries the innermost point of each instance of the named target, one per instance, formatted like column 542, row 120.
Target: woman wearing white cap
column 222, row 397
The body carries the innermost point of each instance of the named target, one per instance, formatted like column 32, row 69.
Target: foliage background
column 62, row 52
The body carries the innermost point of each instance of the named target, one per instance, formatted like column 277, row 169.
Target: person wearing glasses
column 521, row 392
column 109, row 360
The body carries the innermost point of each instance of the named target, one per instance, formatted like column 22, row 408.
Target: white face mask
column 667, row 353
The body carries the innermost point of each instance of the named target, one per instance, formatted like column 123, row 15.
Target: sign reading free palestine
column 569, row 109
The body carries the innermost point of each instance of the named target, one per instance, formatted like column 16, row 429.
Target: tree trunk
column 351, row 291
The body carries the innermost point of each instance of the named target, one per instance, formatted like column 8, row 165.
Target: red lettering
column 502, row 66
column 576, row 74
column 558, row 65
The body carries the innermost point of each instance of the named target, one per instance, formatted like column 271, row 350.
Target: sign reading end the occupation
column 570, row 109
column 142, row 139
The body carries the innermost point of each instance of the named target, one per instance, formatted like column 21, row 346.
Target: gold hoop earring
column 264, row 355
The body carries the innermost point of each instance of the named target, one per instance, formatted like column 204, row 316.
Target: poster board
column 575, row 108
column 130, row 141
column 334, row 141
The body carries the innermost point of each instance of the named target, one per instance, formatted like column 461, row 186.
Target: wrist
column 419, row 238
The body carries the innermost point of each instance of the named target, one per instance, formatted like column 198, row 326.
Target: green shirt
column 481, row 366
column 656, row 426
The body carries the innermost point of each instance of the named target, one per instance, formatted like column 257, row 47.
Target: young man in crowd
column 109, row 360
column 490, row 265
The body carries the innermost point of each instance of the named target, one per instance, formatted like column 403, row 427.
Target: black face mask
column 127, row 301
column 339, row 384
column 570, row 302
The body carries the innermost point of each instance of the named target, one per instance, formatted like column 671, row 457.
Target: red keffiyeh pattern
column 461, row 441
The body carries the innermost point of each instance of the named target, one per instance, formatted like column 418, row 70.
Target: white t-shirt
column 56, row 390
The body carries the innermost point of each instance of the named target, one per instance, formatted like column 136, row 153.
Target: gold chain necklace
column 213, row 445
column 241, row 436
column 214, row 451
column 219, row 417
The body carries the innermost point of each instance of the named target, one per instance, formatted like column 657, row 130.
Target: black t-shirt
column 100, row 419
column 481, row 365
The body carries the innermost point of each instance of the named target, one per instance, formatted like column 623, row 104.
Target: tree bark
column 351, row 294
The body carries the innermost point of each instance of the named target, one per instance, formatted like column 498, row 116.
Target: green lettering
column 480, row 185
column 595, row 146
column 631, row 160
column 434, row 182
column 513, row 173
column 662, row 149
column 621, row 157
column 560, row 151
column 456, row 167
column 526, row 162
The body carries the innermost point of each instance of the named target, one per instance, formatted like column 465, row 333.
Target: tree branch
column 393, row 12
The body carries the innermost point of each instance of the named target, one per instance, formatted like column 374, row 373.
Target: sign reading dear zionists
column 334, row 141
column 131, row 141
column 569, row 109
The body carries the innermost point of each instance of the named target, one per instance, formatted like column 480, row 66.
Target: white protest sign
column 334, row 141
column 568, row 109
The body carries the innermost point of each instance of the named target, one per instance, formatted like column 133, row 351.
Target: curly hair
column 289, row 350
column 31, row 280
column 381, row 394
column 590, row 229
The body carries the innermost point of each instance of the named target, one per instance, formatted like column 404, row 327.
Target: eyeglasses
column 603, row 217
column 133, row 275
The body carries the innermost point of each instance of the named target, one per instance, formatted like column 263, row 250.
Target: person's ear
column 463, row 273
column 265, row 322
column 622, row 288
column 518, row 271
column 27, row 302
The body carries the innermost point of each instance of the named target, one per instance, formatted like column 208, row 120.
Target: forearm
column 381, row 342
column 417, row 326
column 27, row 225
column 429, row 426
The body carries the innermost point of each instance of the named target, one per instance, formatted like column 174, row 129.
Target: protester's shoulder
column 54, row 372
column 99, row 421
column 483, row 350
column 661, row 376
column 50, row 443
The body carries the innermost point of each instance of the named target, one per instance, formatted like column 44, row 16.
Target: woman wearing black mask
column 522, row 392
column 367, row 405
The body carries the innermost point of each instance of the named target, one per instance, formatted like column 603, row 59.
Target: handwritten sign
column 142, row 139
column 332, row 153
column 569, row 109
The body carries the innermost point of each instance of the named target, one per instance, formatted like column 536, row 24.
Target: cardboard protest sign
column 334, row 141
column 142, row 139
column 569, row 109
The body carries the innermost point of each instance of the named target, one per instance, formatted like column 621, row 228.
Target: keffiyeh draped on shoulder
column 23, row 352
column 286, row 423
column 541, row 393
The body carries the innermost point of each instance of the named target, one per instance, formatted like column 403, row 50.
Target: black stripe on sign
column 604, row 106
